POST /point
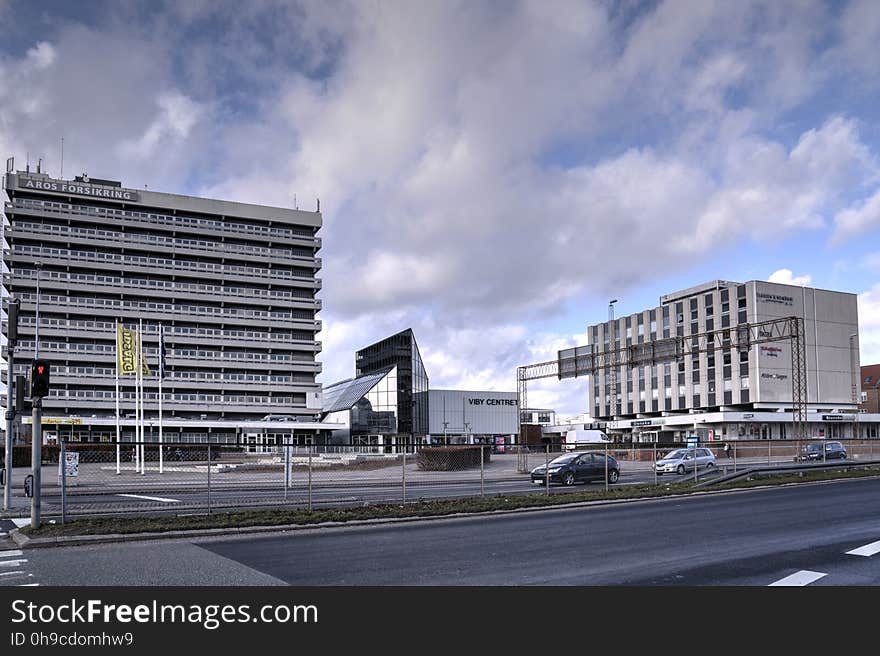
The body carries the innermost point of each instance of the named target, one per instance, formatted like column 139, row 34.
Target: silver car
column 682, row 460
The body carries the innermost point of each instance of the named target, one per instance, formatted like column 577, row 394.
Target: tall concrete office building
column 233, row 284
column 741, row 393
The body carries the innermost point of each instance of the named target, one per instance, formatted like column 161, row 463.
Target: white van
column 579, row 436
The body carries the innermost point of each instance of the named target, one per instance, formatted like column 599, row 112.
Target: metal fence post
column 734, row 457
column 654, row 463
column 482, row 473
column 547, row 469
column 310, row 477
column 286, row 469
column 63, row 460
column 209, row 478
column 769, row 451
column 606, row 466
column 403, row 470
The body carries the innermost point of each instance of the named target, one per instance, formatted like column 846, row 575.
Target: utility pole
column 37, row 421
column 11, row 338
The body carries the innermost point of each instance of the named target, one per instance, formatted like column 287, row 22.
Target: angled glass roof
column 344, row 394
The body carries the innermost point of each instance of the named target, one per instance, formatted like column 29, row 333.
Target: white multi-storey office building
column 233, row 284
column 728, row 393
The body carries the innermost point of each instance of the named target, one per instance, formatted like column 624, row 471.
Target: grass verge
column 416, row 508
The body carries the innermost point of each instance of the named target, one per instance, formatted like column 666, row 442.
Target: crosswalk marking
column 867, row 550
column 10, row 553
column 12, row 563
column 15, row 573
column 803, row 577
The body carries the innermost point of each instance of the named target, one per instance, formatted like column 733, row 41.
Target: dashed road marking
column 867, row 550
column 141, row 496
column 803, row 577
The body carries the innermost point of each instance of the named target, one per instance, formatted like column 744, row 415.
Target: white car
column 682, row 460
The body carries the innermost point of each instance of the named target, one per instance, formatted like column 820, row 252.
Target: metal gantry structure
column 591, row 360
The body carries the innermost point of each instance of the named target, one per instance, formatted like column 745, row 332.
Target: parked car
column 682, row 460
column 577, row 467
column 814, row 451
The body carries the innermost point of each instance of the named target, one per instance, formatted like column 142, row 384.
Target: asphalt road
column 756, row 537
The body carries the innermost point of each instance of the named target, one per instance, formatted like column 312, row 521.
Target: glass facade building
column 387, row 402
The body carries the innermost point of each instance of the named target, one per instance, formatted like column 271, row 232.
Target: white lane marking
column 867, row 550
column 16, row 572
column 141, row 496
column 27, row 585
column 10, row 553
column 12, row 563
column 20, row 521
column 804, row 577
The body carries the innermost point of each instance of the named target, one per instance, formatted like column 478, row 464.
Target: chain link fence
column 185, row 478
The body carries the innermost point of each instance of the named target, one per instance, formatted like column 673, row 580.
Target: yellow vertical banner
column 126, row 350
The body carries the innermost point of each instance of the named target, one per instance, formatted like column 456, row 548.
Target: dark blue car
column 577, row 467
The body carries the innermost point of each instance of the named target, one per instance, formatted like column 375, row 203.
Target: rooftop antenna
column 40, row 165
column 61, row 175
column 295, row 206
column 319, row 205
column 27, row 165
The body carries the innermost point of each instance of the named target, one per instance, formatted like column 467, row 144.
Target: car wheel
column 709, row 465
column 568, row 479
column 613, row 476
column 680, row 469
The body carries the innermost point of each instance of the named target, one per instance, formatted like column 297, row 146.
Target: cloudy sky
column 490, row 173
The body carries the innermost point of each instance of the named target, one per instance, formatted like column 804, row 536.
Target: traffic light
column 12, row 320
column 39, row 379
column 22, row 404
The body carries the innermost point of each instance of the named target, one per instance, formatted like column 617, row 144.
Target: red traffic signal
column 40, row 379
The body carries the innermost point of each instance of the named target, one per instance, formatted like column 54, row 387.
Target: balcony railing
column 176, row 221
column 173, row 355
column 115, row 305
column 95, row 328
column 118, row 259
column 96, row 280
column 216, row 249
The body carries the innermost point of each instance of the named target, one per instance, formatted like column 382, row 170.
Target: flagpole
column 118, row 430
column 137, row 406
column 161, row 376
column 143, row 396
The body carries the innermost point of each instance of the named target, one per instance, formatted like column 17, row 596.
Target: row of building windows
column 97, row 327
column 127, row 260
column 150, row 352
column 172, row 222
column 158, row 285
column 217, row 249
column 180, row 376
column 168, row 308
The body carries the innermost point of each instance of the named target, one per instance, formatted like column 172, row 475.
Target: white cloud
column 786, row 277
column 177, row 115
column 869, row 325
column 857, row 219
column 41, row 55
column 482, row 167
